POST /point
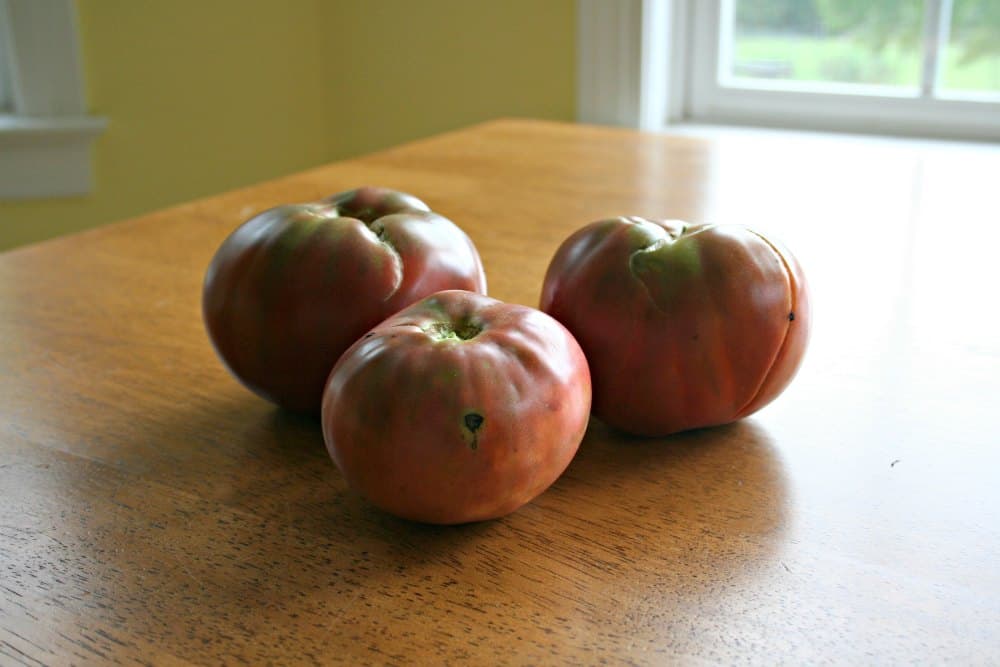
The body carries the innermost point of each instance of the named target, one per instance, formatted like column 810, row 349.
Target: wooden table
column 153, row 511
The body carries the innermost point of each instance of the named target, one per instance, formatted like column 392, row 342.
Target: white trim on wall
column 45, row 141
column 626, row 56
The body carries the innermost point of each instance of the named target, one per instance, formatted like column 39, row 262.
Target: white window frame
column 46, row 135
column 6, row 94
column 653, row 63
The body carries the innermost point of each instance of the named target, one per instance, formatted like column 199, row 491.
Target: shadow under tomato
column 241, row 510
column 248, row 456
column 727, row 479
column 704, row 509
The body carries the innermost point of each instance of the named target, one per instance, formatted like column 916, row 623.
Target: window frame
column 6, row 93
column 631, row 43
column 45, row 134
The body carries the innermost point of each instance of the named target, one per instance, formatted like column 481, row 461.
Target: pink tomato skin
column 296, row 285
column 684, row 326
column 459, row 408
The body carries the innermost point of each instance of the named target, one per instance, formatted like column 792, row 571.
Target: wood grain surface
column 152, row 511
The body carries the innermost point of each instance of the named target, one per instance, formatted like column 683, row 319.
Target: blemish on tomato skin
column 791, row 316
column 473, row 421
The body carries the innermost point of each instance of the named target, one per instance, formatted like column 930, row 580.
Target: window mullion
column 724, row 49
column 6, row 96
column 937, row 24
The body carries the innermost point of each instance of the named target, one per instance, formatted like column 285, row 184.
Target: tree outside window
column 864, row 42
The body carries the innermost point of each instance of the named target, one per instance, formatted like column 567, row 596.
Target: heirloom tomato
column 459, row 408
column 684, row 326
column 294, row 286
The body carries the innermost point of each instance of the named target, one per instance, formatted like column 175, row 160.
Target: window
column 45, row 134
column 882, row 65
column 924, row 67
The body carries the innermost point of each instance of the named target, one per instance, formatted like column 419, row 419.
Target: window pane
column 971, row 65
column 809, row 44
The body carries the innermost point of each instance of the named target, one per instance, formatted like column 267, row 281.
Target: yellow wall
column 408, row 68
column 207, row 95
column 200, row 97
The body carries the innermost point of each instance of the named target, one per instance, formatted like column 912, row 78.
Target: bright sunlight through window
column 911, row 48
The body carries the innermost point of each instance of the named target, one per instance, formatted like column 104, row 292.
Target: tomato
column 459, row 408
column 296, row 285
column 684, row 326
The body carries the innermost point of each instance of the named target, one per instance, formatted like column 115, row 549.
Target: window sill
column 751, row 133
column 46, row 156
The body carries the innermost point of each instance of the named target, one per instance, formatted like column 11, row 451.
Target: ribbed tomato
column 459, row 408
column 296, row 285
column 684, row 326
